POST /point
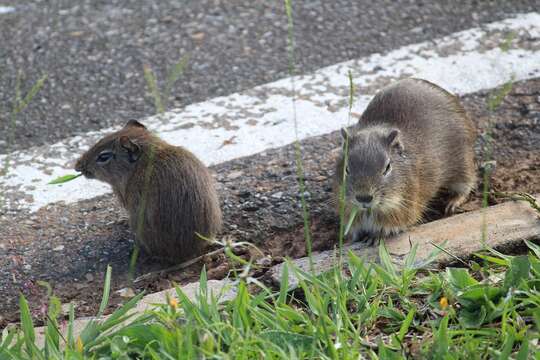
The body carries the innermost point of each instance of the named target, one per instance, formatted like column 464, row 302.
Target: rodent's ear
column 133, row 150
column 344, row 134
column 345, row 137
column 134, row 123
column 393, row 140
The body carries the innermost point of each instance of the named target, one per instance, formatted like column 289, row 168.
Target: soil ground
column 69, row 246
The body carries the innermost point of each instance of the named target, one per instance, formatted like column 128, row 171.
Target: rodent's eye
column 104, row 157
column 387, row 169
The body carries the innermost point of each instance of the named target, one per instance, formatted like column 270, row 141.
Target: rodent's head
column 114, row 158
column 374, row 168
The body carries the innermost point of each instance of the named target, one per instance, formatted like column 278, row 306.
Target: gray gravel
column 93, row 51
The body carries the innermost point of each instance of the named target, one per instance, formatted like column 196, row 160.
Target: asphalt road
column 93, row 52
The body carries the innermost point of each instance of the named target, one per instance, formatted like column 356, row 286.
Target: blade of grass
column 354, row 212
column 151, row 82
column 132, row 263
column 284, row 284
column 298, row 151
column 406, row 325
column 27, row 327
column 106, row 291
column 23, row 103
column 344, row 231
column 386, row 260
column 173, row 76
column 71, row 320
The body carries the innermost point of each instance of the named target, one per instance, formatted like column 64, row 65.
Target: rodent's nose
column 364, row 199
column 78, row 166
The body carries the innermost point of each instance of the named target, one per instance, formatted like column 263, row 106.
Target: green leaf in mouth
column 63, row 179
column 351, row 220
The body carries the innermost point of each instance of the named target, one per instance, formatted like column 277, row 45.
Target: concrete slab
column 505, row 226
column 221, row 289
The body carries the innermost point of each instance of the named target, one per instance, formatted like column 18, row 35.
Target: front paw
column 367, row 238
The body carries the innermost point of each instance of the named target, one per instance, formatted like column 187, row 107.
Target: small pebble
column 235, row 175
column 277, row 195
column 126, row 292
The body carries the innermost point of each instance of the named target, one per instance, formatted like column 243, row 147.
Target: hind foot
column 453, row 204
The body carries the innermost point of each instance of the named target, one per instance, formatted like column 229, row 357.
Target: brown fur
column 168, row 193
column 432, row 150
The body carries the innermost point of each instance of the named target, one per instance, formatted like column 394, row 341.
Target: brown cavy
column 413, row 140
column 168, row 193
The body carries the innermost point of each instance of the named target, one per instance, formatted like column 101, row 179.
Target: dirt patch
column 515, row 130
column 70, row 246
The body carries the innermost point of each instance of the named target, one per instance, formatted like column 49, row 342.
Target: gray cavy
column 413, row 140
column 169, row 194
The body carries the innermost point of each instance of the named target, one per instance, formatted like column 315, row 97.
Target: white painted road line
column 6, row 9
column 246, row 123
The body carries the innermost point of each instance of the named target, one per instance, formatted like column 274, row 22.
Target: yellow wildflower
column 443, row 303
column 79, row 345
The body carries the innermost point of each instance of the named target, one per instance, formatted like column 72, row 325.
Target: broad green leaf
column 459, row 278
column 472, row 319
column 479, row 293
column 518, row 271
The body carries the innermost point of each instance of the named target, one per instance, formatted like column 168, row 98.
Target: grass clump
column 300, row 174
column 370, row 311
column 18, row 105
column 161, row 97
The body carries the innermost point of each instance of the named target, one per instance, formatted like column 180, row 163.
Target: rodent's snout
column 364, row 200
column 79, row 166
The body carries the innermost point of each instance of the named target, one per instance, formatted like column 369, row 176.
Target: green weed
column 370, row 311
column 161, row 97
